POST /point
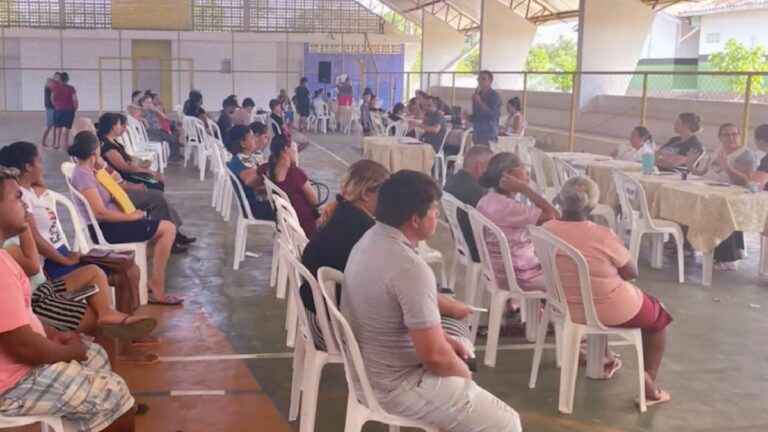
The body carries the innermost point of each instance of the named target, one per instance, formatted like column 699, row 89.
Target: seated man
column 44, row 371
column 416, row 371
column 465, row 186
column 246, row 145
column 433, row 126
column 242, row 116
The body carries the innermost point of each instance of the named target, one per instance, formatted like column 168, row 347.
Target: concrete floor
column 713, row 367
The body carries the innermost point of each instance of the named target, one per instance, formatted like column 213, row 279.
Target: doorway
column 152, row 67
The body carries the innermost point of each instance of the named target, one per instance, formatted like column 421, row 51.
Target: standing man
column 301, row 99
column 50, row 82
column 486, row 110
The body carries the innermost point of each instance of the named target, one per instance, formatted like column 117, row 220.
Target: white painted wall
column 747, row 27
column 607, row 44
column 441, row 46
column 505, row 39
column 662, row 40
column 267, row 57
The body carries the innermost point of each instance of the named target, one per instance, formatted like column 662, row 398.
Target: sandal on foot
column 661, row 397
column 169, row 300
column 129, row 330
column 609, row 370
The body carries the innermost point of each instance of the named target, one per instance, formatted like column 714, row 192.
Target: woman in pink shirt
column 507, row 179
column 618, row 302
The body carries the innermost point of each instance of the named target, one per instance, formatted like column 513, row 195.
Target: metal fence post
column 644, row 101
column 574, row 108
column 745, row 117
column 525, row 91
column 453, row 89
column 101, row 94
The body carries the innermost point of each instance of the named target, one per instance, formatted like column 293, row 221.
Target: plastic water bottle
column 648, row 159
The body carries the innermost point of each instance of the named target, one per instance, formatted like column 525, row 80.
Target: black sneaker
column 179, row 249
column 184, row 240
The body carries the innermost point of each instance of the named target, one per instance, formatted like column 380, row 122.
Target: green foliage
column 470, row 62
column 736, row 57
column 556, row 57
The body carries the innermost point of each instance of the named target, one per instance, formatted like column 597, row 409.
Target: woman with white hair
column 618, row 302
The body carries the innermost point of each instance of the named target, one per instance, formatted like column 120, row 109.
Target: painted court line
column 330, row 153
column 254, row 356
column 175, row 393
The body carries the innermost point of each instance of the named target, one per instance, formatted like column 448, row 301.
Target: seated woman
column 730, row 163
column 159, row 125
column 110, row 127
column 506, row 177
column 117, row 225
column 78, row 301
column 685, row 148
column 618, row 302
column 345, row 222
column 515, row 123
column 282, row 170
column 246, row 143
column 638, row 139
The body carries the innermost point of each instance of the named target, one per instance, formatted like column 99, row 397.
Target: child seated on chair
column 246, row 143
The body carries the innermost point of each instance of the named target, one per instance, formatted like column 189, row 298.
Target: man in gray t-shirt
column 391, row 304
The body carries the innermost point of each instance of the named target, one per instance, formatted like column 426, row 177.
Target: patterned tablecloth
column 601, row 173
column 711, row 210
column 397, row 153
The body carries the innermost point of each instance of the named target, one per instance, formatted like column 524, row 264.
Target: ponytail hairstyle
column 84, row 145
column 235, row 138
column 515, row 103
column 691, row 120
column 278, row 146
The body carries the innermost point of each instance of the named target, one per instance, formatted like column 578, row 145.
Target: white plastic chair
column 539, row 161
column 47, row 423
column 308, row 360
column 463, row 256
column 440, row 165
column 548, row 246
column 139, row 248
column 245, row 219
column 289, row 233
column 563, row 172
column 129, row 139
column 458, row 159
column 221, row 194
column 141, row 142
column 277, row 277
column 194, row 132
column 362, row 405
column 640, row 223
column 397, row 128
column 485, row 230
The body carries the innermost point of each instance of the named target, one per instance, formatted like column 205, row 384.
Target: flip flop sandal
column 141, row 408
column 168, row 301
column 615, row 366
column 663, row 397
column 142, row 359
column 129, row 331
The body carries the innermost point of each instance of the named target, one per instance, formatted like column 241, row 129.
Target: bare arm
column 28, row 347
column 548, row 212
column 452, row 307
column 26, row 253
column 102, row 213
column 436, row 353
column 629, row 271
column 252, row 178
column 310, row 194
column 116, row 159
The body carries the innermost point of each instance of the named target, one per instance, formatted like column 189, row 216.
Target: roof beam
column 421, row 6
column 539, row 19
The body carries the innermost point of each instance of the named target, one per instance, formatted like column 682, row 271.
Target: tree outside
column 736, row 57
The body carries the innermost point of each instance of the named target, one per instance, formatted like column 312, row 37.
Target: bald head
column 476, row 160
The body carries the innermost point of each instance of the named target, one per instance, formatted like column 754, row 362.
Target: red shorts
column 652, row 317
column 345, row 100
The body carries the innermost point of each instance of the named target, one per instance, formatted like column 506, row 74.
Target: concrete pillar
column 505, row 38
column 441, row 46
column 612, row 34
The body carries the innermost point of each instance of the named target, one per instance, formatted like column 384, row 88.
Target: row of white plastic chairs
column 481, row 277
